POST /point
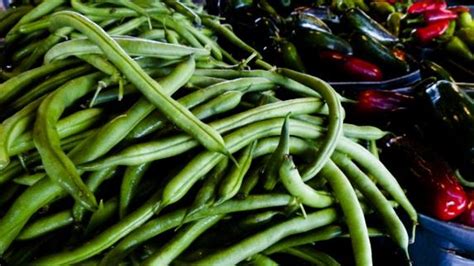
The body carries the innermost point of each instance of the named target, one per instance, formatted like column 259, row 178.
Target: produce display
column 130, row 135
column 184, row 133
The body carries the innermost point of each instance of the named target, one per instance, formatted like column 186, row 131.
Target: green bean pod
column 42, row 9
column 272, row 167
column 173, row 219
column 57, row 164
column 184, row 238
column 321, row 234
column 49, row 85
column 131, row 45
column 231, row 183
column 207, row 136
column 128, row 188
column 293, row 182
column 353, row 214
column 68, row 126
column 16, row 85
column 378, row 171
column 393, row 224
column 118, row 128
column 262, row 240
column 93, row 182
column 46, row 224
column 335, row 128
column 154, row 150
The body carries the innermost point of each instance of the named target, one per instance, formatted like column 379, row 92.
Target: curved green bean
column 173, row 219
column 231, row 183
column 184, row 238
column 57, row 164
column 364, row 184
column 353, row 214
column 335, row 129
column 207, row 136
column 381, row 174
column 46, row 224
column 262, row 240
column 131, row 45
column 117, row 129
column 128, row 188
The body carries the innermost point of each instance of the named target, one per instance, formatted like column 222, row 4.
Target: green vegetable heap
column 125, row 122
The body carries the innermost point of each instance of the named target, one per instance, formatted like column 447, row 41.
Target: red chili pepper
column 428, row 33
column 422, row 6
column 431, row 16
column 467, row 217
column 459, row 9
column 354, row 67
column 431, row 183
column 381, row 102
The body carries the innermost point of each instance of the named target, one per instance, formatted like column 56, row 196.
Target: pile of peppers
column 431, row 23
column 335, row 40
column 432, row 149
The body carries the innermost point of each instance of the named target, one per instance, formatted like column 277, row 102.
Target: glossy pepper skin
column 459, row 49
column 319, row 40
column 359, row 21
column 431, row 69
column 430, row 181
column 351, row 66
column 431, row 16
column 467, row 217
column 376, row 52
column 305, row 17
column 434, row 30
column 288, row 55
column 426, row 5
column 451, row 123
column 377, row 103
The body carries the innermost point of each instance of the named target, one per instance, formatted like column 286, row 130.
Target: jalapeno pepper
column 288, row 55
column 431, row 69
column 376, row 52
column 320, row 40
column 355, row 68
column 465, row 20
column 382, row 9
column 304, row 17
column 393, row 23
column 430, row 181
column 467, row 35
column 459, row 49
column 359, row 21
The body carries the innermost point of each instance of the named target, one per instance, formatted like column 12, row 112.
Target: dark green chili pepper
column 319, row 40
column 467, row 35
column 459, row 49
column 374, row 51
column 393, row 23
column 431, row 69
column 359, row 21
column 383, row 9
column 303, row 17
column 288, row 54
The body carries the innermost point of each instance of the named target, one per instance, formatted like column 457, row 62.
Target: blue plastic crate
column 442, row 243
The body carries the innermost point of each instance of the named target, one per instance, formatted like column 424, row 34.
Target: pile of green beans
column 133, row 132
